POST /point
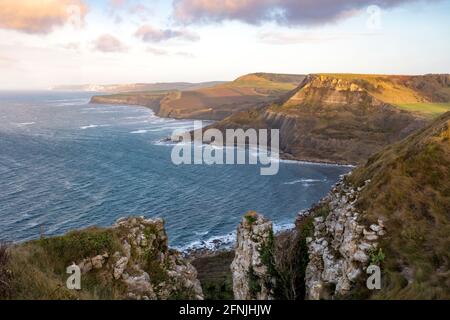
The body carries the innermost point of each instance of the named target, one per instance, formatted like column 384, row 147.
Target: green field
column 431, row 110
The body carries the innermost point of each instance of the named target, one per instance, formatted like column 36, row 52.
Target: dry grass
column 38, row 268
column 5, row 272
column 430, row 110
column 410, row 189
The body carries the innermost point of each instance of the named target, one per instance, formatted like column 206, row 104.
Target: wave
column 212, row 244
column 139, row 131
column 25, row 123
column 69, row 102
column 91, row 126
column 223, row 242
column 304, row 181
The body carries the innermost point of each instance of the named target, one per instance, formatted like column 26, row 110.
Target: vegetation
column 77, row 245
column 430, row 110
column 251, row 217
column 268, row 81
column 410, row 190
column 254, row 283
column 215, row 275
column 376, row 256
column 5, row 273
column 37, row 269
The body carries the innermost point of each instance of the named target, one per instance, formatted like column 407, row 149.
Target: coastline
column 283, row 155
column 225, row 243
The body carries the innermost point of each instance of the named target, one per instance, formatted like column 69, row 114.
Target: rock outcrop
column 144, row 264
column 251, row 278
column 341, row 247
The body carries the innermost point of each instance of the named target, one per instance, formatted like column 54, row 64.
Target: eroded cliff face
column 341, row 247
column 329, row 119
column 144, row 264
column 251, row 278
column 151, row 101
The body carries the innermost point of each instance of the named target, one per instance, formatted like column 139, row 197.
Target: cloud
column 286, row 12
column 71, row 46
column 148, row 33
column 184, row 54
column 166, row 53
column 109, row 43
column 140, row 10
column 157, row 51
column 7, row 61
column 117, row 3
column 40, row 17
column 286, row 38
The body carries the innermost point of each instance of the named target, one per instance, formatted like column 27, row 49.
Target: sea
column 66, row 164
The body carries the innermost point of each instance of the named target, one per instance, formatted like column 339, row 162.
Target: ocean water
column 66, row 164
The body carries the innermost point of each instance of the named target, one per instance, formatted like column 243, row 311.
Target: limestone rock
column 250, row 274
column 119, row 267
column 145, row 264
column 339, row 250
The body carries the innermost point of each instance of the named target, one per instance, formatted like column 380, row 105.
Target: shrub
column 251, row 217
column 78, row 245
column 254, row 284
column 376, row 257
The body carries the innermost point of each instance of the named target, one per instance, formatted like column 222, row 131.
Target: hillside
column 346, row 118
column 130, row 260
column 410, row 190
column 393, row 212
column 212, row 103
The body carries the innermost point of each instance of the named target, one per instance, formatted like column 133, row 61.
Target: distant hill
column 136, row 87
column 345, row 118
column 212, row 103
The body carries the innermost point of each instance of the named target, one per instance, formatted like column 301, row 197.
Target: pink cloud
column 109, row 43
column 289, row 12
column 150, row 34
column 40, row 17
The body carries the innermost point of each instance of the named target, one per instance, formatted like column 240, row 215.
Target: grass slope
column 410, row 189
column 38, row 268
column 429, row 110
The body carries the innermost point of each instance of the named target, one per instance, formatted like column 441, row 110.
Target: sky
column 44, row 43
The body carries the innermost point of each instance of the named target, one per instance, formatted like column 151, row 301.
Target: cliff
column 130, row 260
column 213, row 102
column 392, row 211
column 347, row 118
column 250, row 268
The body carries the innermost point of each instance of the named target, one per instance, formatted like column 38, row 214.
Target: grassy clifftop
column 410, row 190
column 427, row 95
column 130, row 260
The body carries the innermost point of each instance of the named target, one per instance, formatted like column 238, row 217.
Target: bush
column 251, row 217
column 254, row 284
column 376, row 257
column 78, row 245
